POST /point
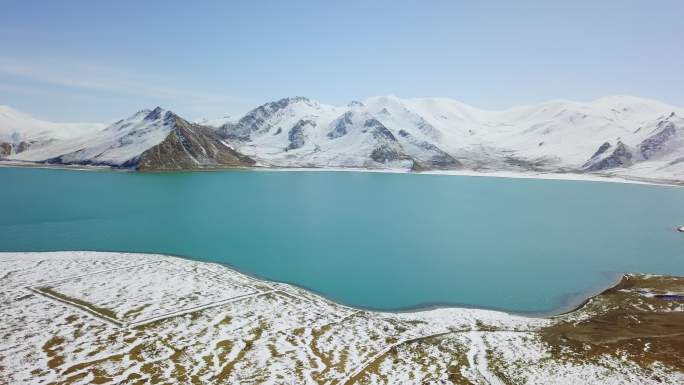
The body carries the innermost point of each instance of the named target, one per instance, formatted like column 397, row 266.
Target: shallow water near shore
column 374, row 240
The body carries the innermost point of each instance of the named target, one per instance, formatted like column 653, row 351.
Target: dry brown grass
column 98, row 310
column 625, row 323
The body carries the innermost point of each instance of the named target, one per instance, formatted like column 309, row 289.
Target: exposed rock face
column 378, row 130
column 659, row 141
column 388, row 149
column 296, row 134
column 70, row 159
column 191, row 146
column 8, row 148
column 5, row 149
column 621, row 156
column 341, row 125
column 154, row 114
column 664, row 141
column 256, row 121
column 23, row 146
column 603, row 148
column 439, row 158
column 385, row 154
column 229, row 131
column 428, row 155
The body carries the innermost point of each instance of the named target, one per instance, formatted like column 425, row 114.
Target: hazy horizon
column 237, row 116
column 100, row 61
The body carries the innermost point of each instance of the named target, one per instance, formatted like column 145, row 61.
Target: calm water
column 387, row 241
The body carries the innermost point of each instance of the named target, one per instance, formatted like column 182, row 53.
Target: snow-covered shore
column 607, row 178
column 85, row 317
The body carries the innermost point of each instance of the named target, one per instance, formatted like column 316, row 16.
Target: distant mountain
column 437, row 133
column 190, row 146
column 19, row 132
column 620, row 135
column 301, row 132
column 148, row 140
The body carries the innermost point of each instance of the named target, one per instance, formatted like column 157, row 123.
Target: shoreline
column 419, row 308
column 565, row 309
column 96, row 317
column 562, row 176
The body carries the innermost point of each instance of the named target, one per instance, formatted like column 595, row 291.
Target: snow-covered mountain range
column 148, row 140
column 619, row 135
column 19, row 131
column 625, row 135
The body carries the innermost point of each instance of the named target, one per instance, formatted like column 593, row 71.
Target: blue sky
column 101, row 60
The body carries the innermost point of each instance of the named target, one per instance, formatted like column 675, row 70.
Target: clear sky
column 102, row 60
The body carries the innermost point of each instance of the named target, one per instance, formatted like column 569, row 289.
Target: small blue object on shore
column 670, row 297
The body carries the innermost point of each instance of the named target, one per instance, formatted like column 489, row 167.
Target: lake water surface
column 383, row 241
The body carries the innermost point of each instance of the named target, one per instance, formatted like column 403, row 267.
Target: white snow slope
column 551, row 137
column 16, row 127
column 117, row 145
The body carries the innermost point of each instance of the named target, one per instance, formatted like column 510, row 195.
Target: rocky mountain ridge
column 624, row 136
column 148, row 140
column 19, row 131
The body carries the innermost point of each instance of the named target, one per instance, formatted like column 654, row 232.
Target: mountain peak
column 155, row 114
column 296, row 99
column 281, row 103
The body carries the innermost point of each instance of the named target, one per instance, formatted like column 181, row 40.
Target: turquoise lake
column 373, row 240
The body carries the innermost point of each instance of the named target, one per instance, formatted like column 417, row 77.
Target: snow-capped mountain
column 301, row 132
column 620, row 134
column 147, row 140
column 19, row 131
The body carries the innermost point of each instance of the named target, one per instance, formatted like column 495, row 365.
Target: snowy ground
column 90, row 317
column 604, row 177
